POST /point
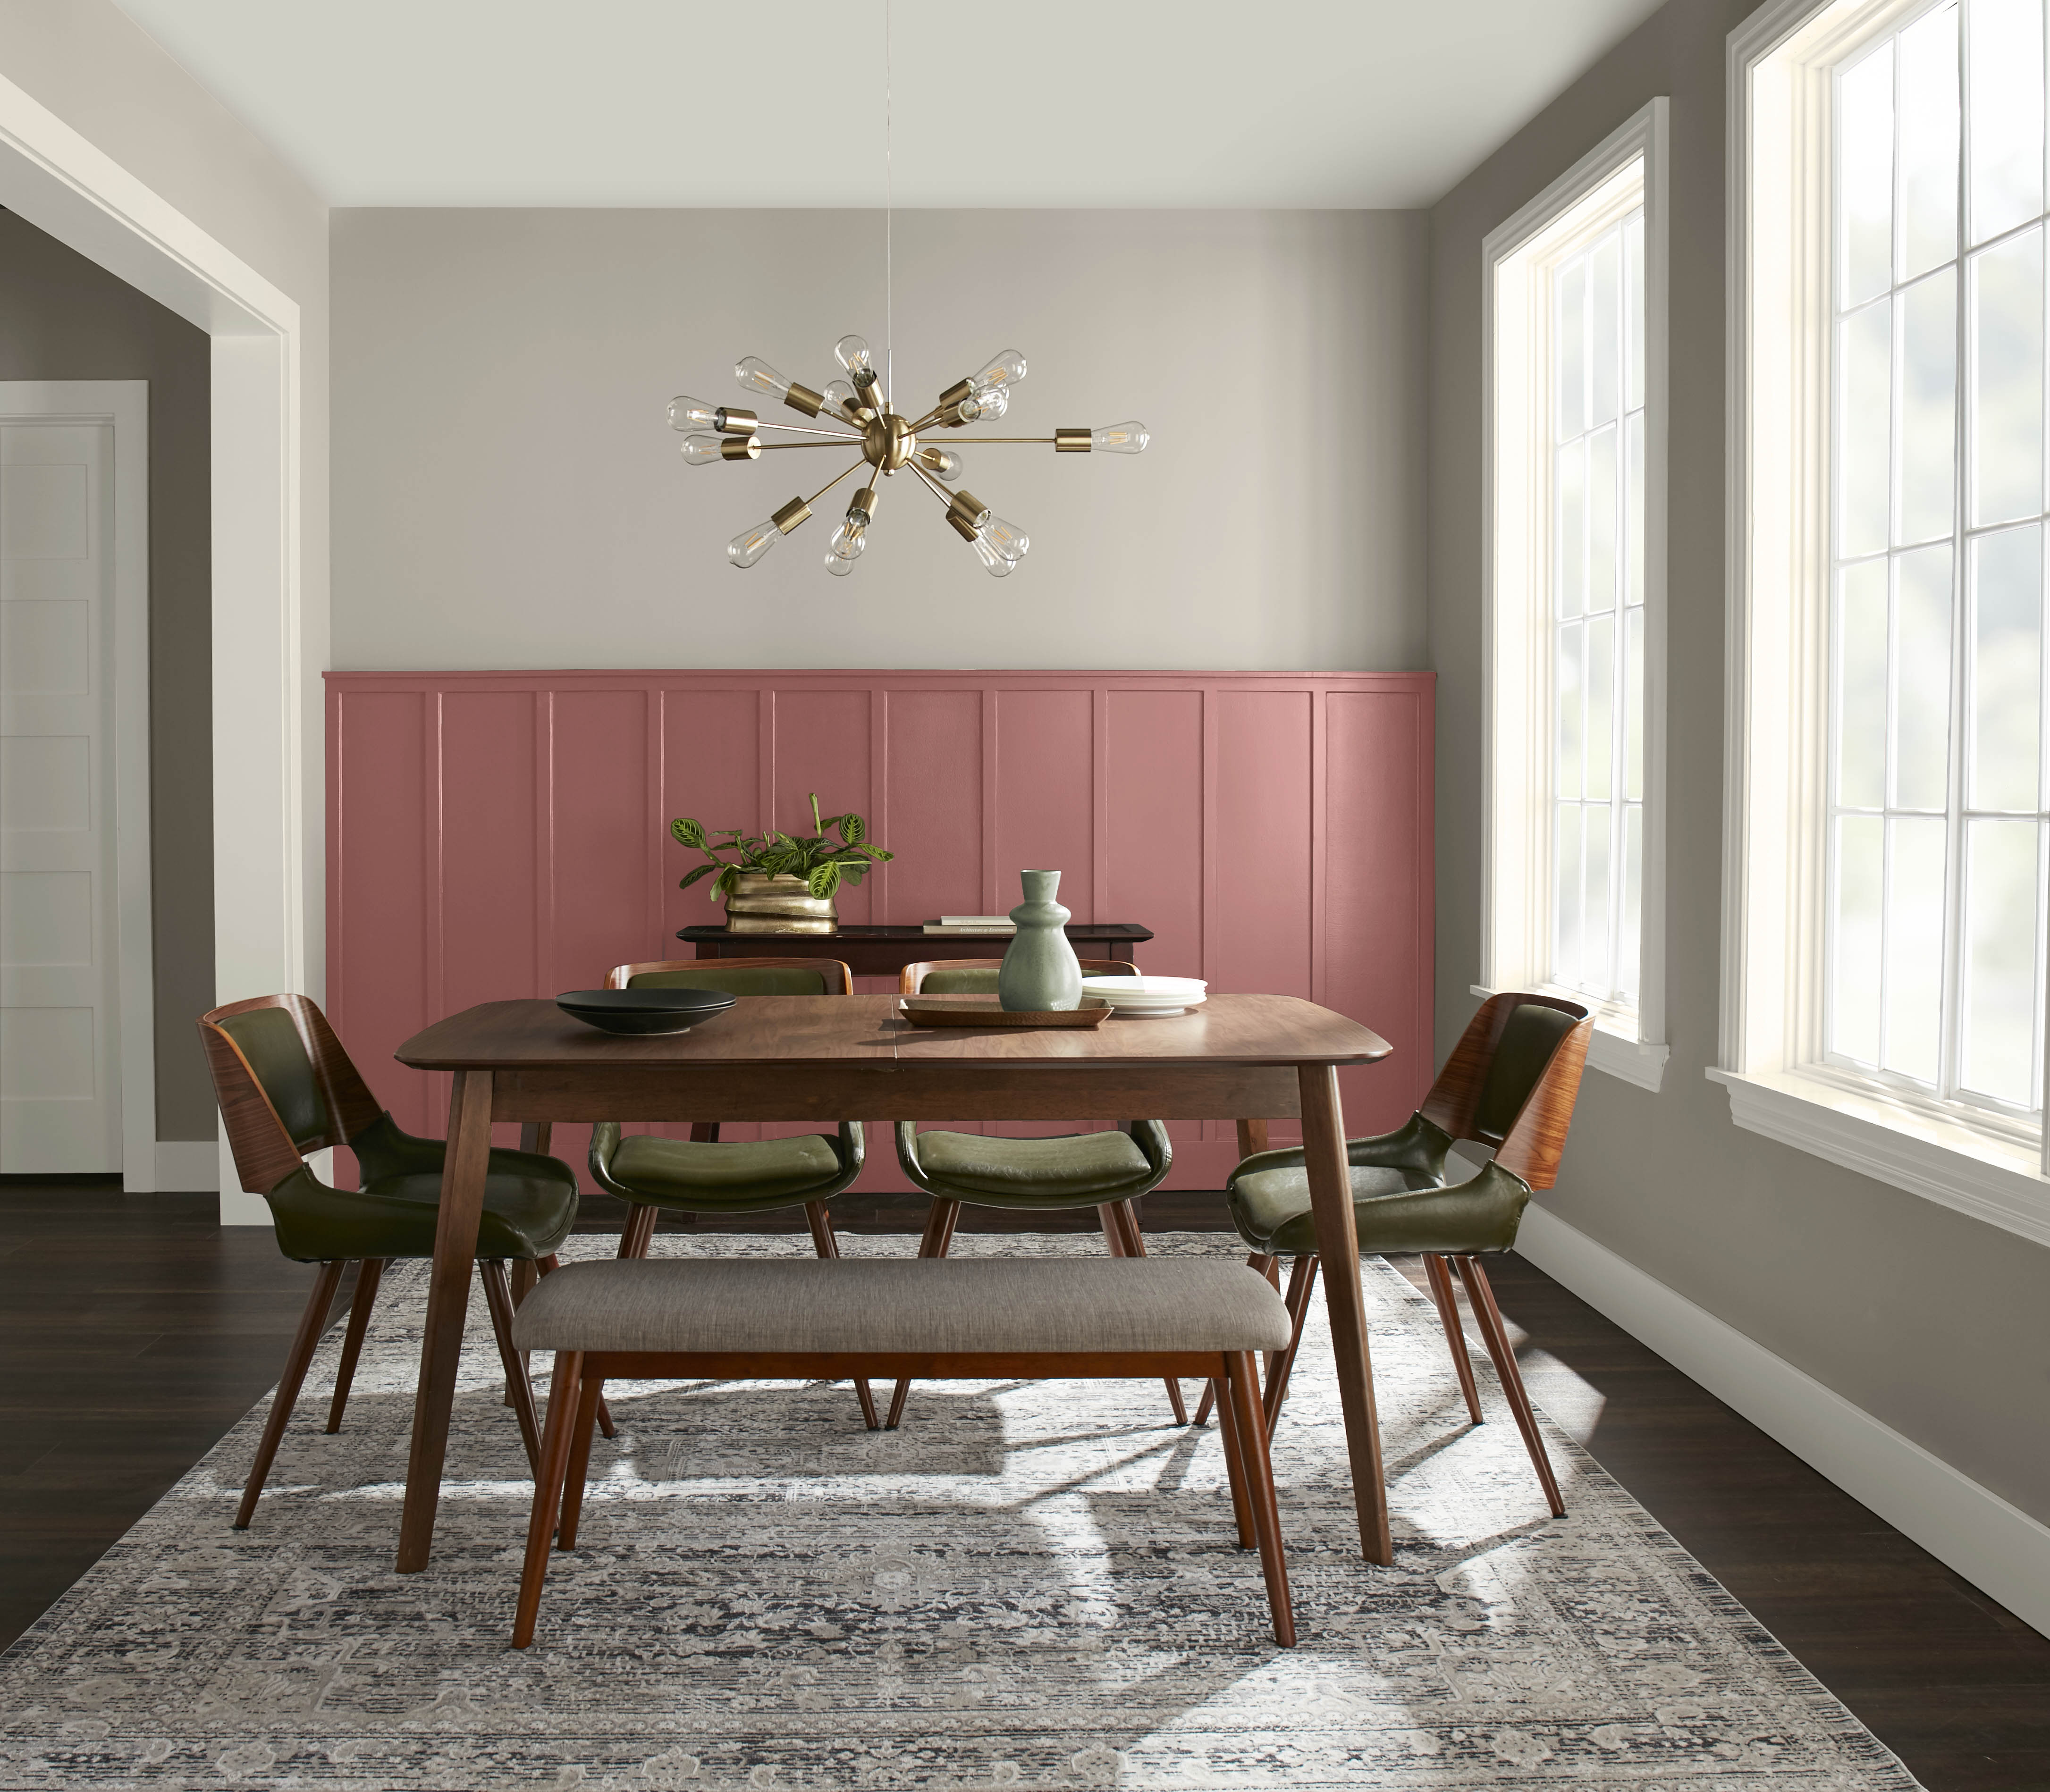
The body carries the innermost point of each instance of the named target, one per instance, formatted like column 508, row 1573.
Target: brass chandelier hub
column 887, row 442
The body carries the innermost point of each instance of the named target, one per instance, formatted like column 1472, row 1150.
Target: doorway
column 77, row 1073
column 266, row 793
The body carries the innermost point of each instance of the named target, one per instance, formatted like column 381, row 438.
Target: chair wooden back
column 285, row 1087
column 1512, row 1080
column 738, row 976
column 961, row 977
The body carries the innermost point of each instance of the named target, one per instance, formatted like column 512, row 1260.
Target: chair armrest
column 1150, row 1137
column 852, row 1145
column 604, row 1145
column 1417, row 1144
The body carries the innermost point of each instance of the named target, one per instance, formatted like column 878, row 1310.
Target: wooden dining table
column 807, row 1058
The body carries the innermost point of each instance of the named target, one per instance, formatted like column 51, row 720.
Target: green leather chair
column 701, row 1175
column 287, row 1089
column 1511, row 1084
column 1105, row 1170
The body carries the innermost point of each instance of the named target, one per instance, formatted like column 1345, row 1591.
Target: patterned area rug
column 1029, row 1585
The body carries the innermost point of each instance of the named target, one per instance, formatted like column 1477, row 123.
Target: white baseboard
column 1997, row 1546
column 187, row 1165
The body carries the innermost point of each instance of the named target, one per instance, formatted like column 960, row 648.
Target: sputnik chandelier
column 888, row 443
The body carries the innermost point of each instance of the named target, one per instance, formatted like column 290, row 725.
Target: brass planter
column 759, row 904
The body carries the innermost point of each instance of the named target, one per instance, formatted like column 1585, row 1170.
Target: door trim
column 267, row 652
column 123, row 405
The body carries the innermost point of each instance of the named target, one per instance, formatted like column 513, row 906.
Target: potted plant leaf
column 777, row 882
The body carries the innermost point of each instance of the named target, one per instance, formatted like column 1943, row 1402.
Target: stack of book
column 973, row 924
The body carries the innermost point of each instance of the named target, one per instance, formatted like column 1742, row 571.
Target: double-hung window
column 1936, row 797
column 1575, row 460
column 1888, row 831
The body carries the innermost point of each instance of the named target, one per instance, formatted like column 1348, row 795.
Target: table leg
column 448, row 1302
column 1252, row 1138
column 1337, row 1242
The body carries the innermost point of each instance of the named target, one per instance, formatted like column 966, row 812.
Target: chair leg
column 940, row 1219
column 639, row 1232
column 1242, row 1394
column 1119, row 1220
column 498, row 1297
column 1488, row 1316
column 1455, row 1335
column 313, row 1323
column 524, row 1274
column 562, row 1403
column 1302, row 1283
column 547, row 1266
column 578, row 1475
column 368, row 1273
column 1261, row 1261
column 824, row 1242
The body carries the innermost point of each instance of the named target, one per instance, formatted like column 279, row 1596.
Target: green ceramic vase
column 1041, row 973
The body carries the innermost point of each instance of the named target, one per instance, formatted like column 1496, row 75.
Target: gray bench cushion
column 938, row 1305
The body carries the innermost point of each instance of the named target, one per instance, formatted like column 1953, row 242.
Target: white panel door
column 60, row 1023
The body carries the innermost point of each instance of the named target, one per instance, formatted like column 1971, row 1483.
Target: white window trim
column 1777, row 618
column 1516, row 749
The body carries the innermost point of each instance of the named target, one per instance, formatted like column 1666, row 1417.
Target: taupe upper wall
column 508, row 492
column 1932, row 1321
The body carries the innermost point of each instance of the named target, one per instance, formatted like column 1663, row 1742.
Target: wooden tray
column 983, row 1011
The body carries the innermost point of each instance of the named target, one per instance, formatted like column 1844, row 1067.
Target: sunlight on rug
column 1029, row 1585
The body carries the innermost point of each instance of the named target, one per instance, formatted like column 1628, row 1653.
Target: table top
column 1127, row 931
column 847, row 1031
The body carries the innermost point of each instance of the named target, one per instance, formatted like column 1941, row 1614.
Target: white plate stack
column 1149, row 998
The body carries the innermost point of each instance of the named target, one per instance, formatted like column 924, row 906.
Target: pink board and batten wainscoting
column 493, row 834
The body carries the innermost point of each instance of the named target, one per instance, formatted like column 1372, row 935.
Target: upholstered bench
column 736, row 1318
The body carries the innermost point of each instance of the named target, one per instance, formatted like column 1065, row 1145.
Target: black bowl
column 643, row 1011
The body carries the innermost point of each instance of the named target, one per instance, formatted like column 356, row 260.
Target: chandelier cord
column 889, row 221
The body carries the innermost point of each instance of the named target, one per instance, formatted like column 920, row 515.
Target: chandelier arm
column 980, row 440
column 932, row 484
column 800, row 429
column 833, row 481
column 930, row 417
column 835, row 442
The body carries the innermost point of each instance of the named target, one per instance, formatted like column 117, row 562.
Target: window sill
column 1953, row 1165
column 1614, row 1048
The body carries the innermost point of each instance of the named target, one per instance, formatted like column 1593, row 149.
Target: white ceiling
column 998, row 103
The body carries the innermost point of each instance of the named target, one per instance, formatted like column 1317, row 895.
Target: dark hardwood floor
column 134, row 1331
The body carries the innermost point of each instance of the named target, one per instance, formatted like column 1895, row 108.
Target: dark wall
column 62, row 318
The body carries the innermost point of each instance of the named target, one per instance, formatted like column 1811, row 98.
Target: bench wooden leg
column 547, row 1266
column 368, row 1274
column 940, row 1221
column 824, row 1242
column 498, row 1297
column 312, row 1325
column 577, row 1476
column 1242, row 1396
column 1234, row 1467
column 1448, row 1316
column 562, row 1403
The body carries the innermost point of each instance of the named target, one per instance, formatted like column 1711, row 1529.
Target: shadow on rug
column 1031, row 1584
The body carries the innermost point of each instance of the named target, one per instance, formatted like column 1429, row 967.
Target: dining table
column 1245, row 1058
